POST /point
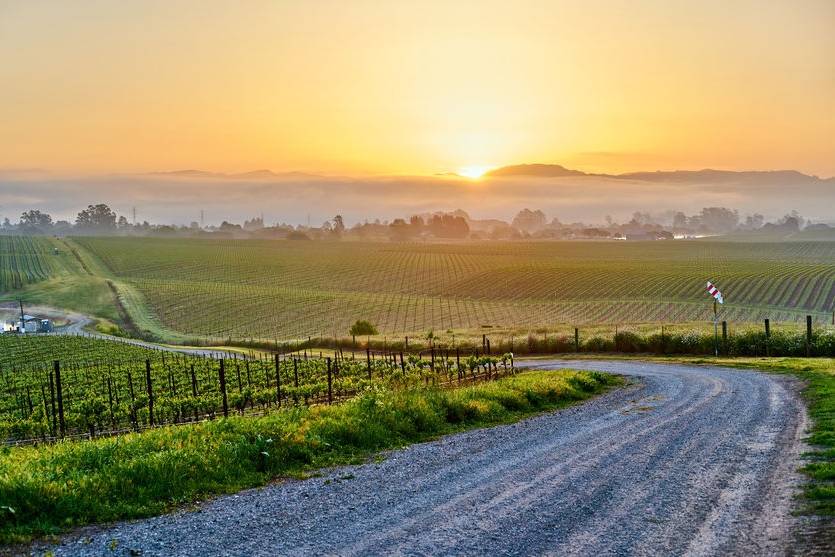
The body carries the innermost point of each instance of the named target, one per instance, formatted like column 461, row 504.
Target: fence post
column 52, row 404
column 110, row 401
column 277, row 381
column 725, row 337
column 576, row 339
column 767, row 337
column 193, row 382
column 368, row 360
column 222, row 377
column 330, row 382
column 808, row 335
column 661, row 348
column 150, row 392
column 402, row 365
column 61, row 424
column 488, row 347
column 133, row 420
column 295, row 372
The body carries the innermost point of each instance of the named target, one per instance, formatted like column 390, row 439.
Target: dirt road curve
column 79, row 323
column 688, row 461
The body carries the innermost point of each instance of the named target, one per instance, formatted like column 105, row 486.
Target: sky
column 416, row 88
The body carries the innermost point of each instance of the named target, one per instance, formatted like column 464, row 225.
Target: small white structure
column 28, row 324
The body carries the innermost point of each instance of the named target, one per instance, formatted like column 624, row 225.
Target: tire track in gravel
column 688, row 460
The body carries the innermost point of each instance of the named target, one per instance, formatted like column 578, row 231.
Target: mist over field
column 178, row 198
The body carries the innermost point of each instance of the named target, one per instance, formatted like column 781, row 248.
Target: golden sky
column 417, row 87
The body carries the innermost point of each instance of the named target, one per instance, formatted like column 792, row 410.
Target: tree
column 791, row 222
column 256, row 223
column 229, row 227
column 529, row 221
column 338, row 224
column 718, row 219
column 753, row 222
column 34, row 221
column 400, row 231
column 448, row 226
column 639, row 218
column 96, row 217
column 363, row 328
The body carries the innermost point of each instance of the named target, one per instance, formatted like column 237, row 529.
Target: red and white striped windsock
column 713, row 291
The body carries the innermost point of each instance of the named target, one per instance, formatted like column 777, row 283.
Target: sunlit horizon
column 610, row 87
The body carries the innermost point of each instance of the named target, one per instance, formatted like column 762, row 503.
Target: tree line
column 454, row 225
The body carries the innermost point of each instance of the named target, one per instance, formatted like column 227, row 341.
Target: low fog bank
column 292, row 200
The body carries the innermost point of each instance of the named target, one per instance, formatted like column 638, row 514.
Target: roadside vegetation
column 57, row 386
column 46, row 489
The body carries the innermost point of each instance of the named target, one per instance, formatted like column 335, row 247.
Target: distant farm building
column 28, row 324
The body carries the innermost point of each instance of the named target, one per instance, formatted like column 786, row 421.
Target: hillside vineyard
column 284, row 289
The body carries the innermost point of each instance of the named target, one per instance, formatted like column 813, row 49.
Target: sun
column 473, row 172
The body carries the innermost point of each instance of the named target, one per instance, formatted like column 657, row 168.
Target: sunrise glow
column 292, row 86
column 473, row 172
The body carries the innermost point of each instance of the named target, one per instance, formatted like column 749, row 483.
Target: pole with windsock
column 717, row 298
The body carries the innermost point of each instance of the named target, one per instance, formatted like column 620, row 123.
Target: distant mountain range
column 262, row 174
column 536, row 170
column 674, row 176
column 705, row 176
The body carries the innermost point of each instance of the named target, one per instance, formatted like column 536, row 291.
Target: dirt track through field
column 688, row 460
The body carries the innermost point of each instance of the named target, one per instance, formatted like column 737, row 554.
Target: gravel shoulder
column 687, row 460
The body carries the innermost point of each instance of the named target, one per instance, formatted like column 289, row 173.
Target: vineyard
column 23, row 260
column 100, row 386
column 279, row 289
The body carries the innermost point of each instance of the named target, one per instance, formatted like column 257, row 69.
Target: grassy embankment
column 73, row 279
column 49, row 488
column 128, row 305
column 68, row 286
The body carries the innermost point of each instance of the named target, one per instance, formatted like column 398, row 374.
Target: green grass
column 49, row 488
column 63, row 280
column 267, row 289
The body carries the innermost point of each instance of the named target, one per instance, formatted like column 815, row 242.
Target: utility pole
column 202, row 218
column 22, row 321
column 134, row 216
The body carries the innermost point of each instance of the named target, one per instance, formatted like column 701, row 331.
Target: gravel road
column 686, row 461
column 78, row 327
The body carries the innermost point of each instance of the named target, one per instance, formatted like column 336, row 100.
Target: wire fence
column 88, row 399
